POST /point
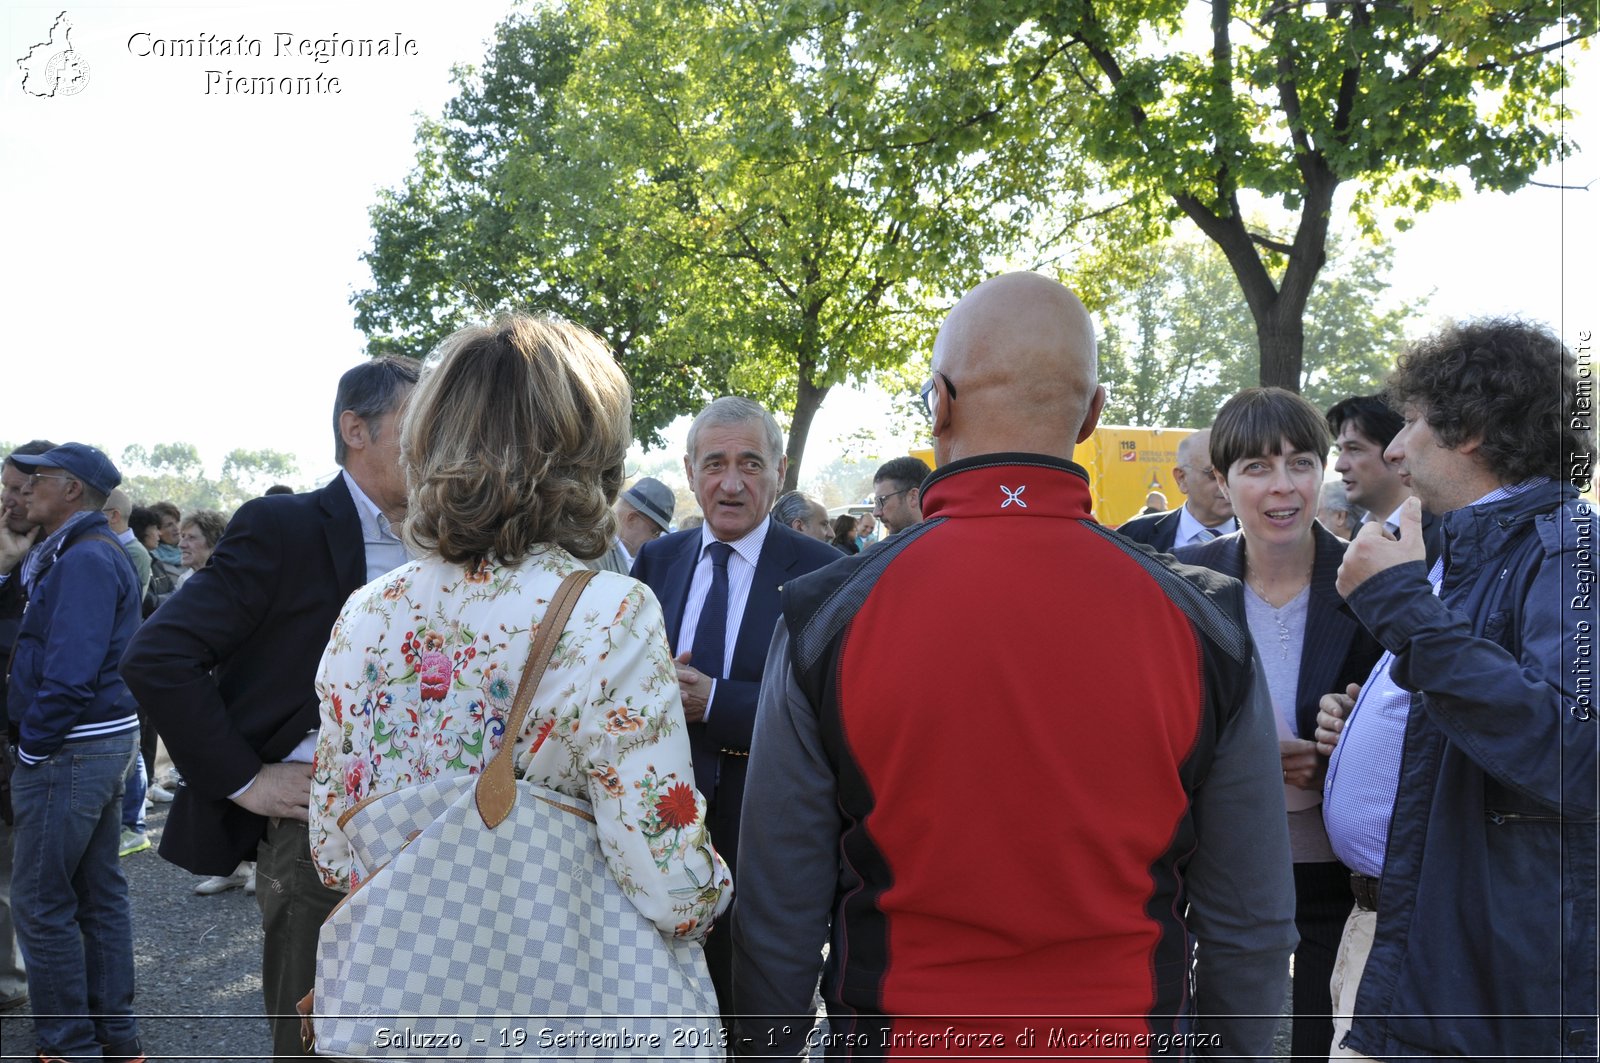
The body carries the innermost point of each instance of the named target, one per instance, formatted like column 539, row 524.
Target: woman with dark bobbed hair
column 1269, row 448
column 844, row 533
column 513, row 451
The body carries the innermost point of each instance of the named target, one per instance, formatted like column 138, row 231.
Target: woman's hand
column 1332, row 711
column 1303, row 766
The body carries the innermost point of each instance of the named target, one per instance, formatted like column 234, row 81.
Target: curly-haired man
column 1474, row 934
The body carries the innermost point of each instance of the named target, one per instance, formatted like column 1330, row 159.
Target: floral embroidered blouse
column 418, row 679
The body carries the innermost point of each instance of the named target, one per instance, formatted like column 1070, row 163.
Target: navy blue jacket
column 1485, row 943
column 78, row 621
column 667, row 566
column 1159, row 530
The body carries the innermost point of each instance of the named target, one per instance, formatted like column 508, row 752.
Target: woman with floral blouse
column 513, row 450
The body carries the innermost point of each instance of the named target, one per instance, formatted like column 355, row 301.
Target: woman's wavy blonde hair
column 517, row 438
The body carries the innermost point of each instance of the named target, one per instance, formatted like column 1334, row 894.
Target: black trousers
column 1322, row 904
column 293, row 902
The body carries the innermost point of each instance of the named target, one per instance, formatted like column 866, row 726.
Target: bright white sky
column 179, row 264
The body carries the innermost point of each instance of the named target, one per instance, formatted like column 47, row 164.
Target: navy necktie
column 1204, row 535
column 711, row 631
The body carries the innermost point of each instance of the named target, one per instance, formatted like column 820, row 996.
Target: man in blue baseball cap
column 75, row 731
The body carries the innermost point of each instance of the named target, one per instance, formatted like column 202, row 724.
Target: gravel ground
column 198, row 966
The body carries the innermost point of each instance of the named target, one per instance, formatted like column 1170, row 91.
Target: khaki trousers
column 1354, row 946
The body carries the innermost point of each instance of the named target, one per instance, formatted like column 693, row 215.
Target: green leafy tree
column 175, row 472
column 1175, row 345
column 1275, row 101
column 248, row 473
column 498, row 213
column 699, row 183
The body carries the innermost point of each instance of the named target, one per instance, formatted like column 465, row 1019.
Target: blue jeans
column 70, row 900
column 134, row 787
column 13, row 974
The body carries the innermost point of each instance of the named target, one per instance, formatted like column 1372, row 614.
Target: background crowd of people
column 1017, row 771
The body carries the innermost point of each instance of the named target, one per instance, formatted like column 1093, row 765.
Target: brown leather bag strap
column 496, row 790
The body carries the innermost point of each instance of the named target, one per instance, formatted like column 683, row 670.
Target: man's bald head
column 1019, row 352
column 1195, row 449
column 118, row 509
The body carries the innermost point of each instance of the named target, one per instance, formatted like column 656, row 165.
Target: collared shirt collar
column 1189, row 526
column 45, row 553
column 125, row 536
column 1453, row 530
column 384, row 549
column 373, row 522
column 748, row 547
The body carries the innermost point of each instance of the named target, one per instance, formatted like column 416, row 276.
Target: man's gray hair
column 371, row 391
column 730, row 410
column 792, row 507
column 1334, row 497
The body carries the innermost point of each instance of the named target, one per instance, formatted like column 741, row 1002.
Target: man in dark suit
column 1205, row 513
column 1363, row 426
column 226, row 669
column 718, row 586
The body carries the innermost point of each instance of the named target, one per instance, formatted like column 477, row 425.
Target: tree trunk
column 1281, row 337
column 807, row 401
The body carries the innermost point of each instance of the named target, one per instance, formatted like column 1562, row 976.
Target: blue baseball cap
column 80, row 459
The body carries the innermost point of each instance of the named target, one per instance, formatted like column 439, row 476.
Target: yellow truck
column 1125, row 464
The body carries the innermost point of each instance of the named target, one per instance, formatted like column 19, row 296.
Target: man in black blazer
column 226, row 669
column 718, row 587
column 1205, row 513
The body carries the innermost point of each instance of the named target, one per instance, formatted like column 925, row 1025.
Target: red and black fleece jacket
column 1014, row 769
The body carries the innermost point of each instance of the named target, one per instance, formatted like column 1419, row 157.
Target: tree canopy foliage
column 775, row 199
column 1175, row 345
column 701, row 185
column 175, row 472
column 1269, row 102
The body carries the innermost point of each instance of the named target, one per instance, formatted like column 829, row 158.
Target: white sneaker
column 222, row 883
column 131, row 842
column 158, row 793
column 250, row 881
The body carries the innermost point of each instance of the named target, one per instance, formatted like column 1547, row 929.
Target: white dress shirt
column 1190, row 530
column 741, row 574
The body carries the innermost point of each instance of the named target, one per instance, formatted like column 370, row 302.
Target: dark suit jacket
column 226, row 667
column 1430, row 535
column 1157, row 530
column 1337, row 650
column 667, row 566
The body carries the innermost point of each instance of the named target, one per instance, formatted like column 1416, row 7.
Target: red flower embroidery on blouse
column 543, row 733
column 435, row 674
column 676, row 807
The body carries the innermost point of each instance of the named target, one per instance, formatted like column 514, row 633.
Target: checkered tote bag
column 490, row 927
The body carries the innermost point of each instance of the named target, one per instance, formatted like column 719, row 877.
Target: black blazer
column 1156, row 530
column 226, row 666
column 1337, row 650
column 667, row 565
